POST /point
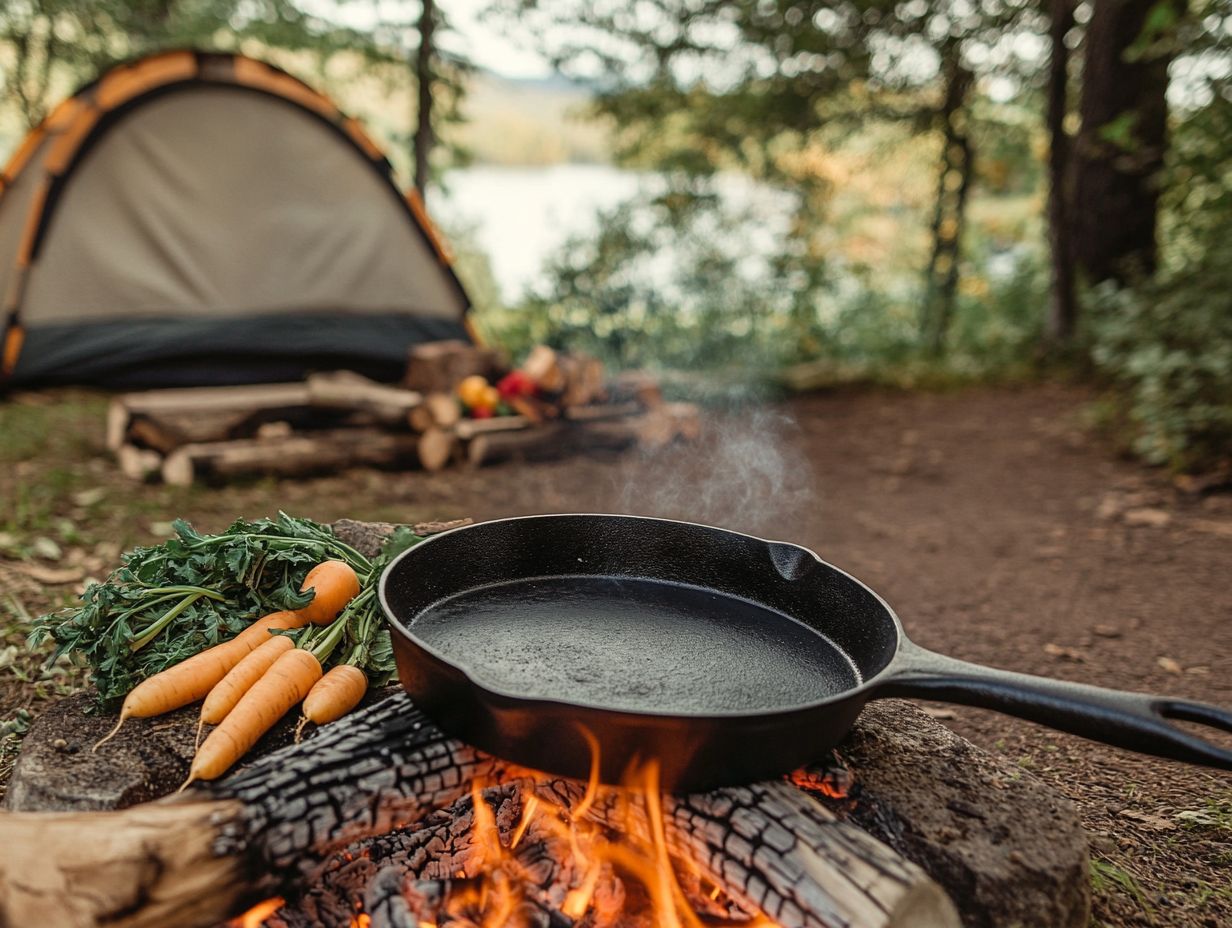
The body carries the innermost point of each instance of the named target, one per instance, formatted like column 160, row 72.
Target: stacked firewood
column 457, row 403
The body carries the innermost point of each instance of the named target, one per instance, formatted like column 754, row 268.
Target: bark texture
column 1120, row 149
column 1063, row 310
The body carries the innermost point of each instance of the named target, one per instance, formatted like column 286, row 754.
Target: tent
column 193, row 218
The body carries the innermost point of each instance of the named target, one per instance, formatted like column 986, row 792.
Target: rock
column 1007, row 848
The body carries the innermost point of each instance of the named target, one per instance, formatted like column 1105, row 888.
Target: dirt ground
column 998, row 525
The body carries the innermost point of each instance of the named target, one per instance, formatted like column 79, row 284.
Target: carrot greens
column 170, row 601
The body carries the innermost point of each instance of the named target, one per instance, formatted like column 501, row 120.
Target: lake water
column 520, row 216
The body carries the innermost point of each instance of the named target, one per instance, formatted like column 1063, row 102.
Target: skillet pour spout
column 727, row 657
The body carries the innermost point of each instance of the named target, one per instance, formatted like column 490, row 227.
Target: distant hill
column 529, row 121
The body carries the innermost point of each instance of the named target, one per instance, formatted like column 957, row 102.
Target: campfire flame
column 256, row 916
column 611, row 861
column 609, row 857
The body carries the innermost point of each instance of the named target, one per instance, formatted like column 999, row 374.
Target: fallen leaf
column 1212, row 527
column 1195, row 817
column 1150, row 518
column 1106, row 631
column 1169, row 665
column 1070, row 654
column 939, row 713
column 1149, row 821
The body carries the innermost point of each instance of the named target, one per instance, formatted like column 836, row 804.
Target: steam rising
column 747, row 474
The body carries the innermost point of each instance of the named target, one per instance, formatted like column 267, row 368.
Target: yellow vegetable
column 473, row 390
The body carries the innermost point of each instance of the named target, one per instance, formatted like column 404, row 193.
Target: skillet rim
column 864, row 688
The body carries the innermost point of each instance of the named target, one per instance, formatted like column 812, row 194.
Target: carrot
column 193, row 678
column 335, row 694
column 258, row 632
column 284, row 685
column 240, row 678
column 335, row 584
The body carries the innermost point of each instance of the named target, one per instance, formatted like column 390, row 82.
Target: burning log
column 199, row 858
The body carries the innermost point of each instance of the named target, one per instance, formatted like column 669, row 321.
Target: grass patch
column 1107, row 876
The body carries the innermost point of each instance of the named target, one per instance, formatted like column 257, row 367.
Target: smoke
column 748, row 473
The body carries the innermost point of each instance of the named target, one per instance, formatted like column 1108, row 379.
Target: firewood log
column 602, row 411
column 636, row 385
column 435, row 448
column 138, row 464
column 543, row 367
column 350, row 391
column 165, row 419
column 583, row 379
column 438, row 367
column 437, row 409
column 199, row 858
column 309, row 453
column 467, row 429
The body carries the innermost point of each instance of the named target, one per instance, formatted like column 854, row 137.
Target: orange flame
column 833, row 784
column 596, row 862
column 256, row 916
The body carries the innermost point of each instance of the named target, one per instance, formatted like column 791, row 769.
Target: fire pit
column 384, row 821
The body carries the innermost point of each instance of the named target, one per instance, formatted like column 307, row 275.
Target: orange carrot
column 186, row 682
column 193, row 678
column 240, row 678
column 258, row 632
column 284, row 685
column 335, row 585
column 335, row 694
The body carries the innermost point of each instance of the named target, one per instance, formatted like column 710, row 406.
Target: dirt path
column 999, row 529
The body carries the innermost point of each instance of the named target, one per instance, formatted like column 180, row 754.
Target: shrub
column 1167, row 347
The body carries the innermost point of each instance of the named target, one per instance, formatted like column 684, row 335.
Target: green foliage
column 170, row 601
column 55, row 44
column 1167, row 345
column 717, row 302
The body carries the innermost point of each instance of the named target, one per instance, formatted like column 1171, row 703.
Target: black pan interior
column 640, row 615
column 634, row 644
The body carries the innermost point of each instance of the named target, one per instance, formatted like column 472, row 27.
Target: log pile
column 336, row 420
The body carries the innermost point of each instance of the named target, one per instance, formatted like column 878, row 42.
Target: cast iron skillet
column 727, row 657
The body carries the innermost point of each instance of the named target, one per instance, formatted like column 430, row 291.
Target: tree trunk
column 1063, row 311
column 424, row 138
column 954, row 183
column 1120, row 148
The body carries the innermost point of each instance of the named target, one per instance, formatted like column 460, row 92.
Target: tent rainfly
column 197, row 218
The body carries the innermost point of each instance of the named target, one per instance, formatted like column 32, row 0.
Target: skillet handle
column 1136, row 721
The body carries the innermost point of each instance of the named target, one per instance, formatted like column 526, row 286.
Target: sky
column 490, row 45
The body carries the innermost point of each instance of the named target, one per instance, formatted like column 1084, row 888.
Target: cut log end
column 140, row 464
column 435, row 448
